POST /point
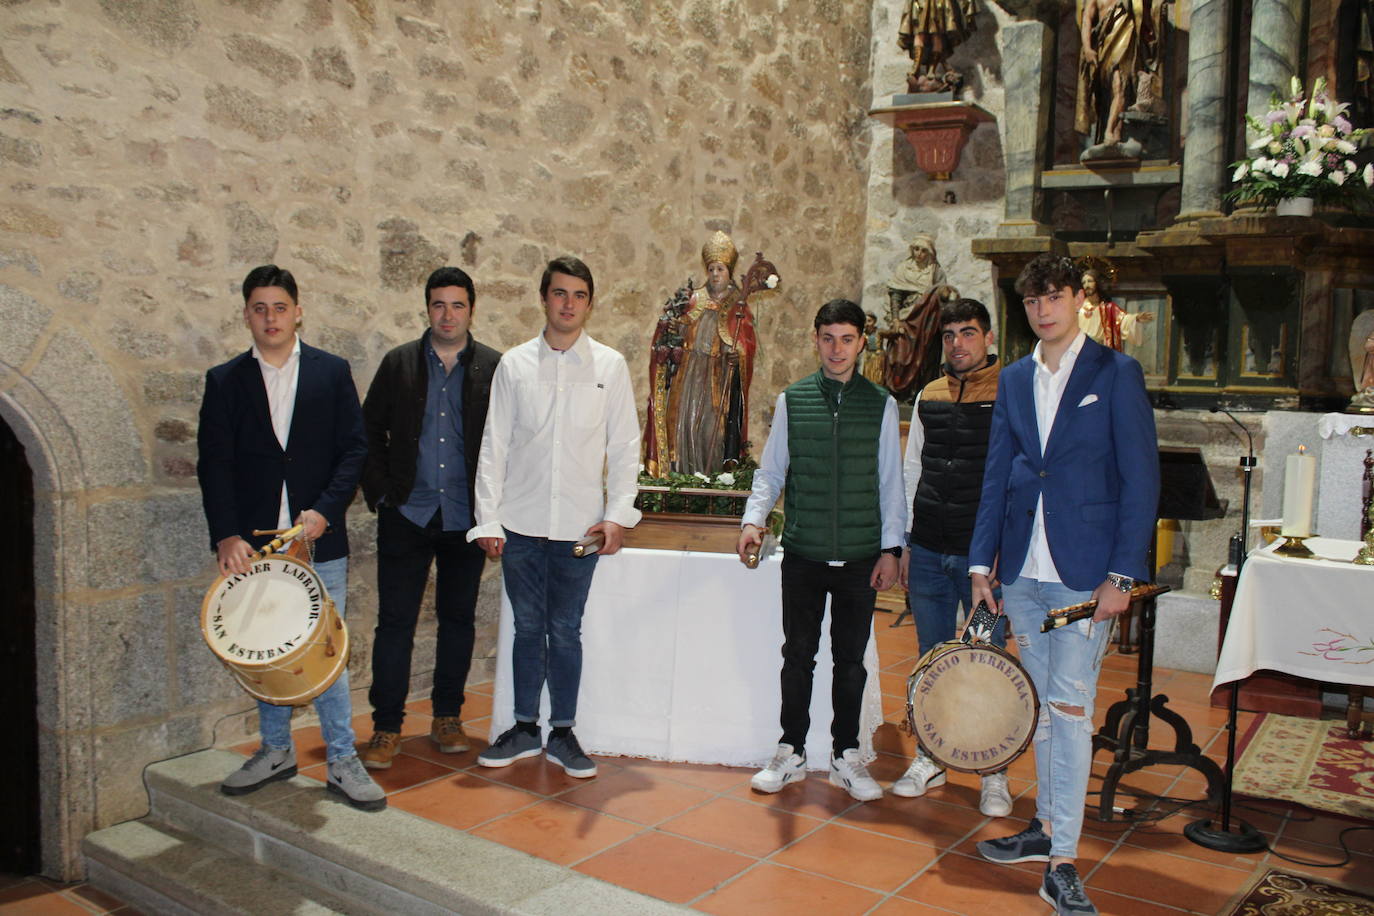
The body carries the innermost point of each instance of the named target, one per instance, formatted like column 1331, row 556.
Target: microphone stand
column 1244, row 838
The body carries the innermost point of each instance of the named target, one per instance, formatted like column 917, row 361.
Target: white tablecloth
column 681, row 654
column 1312, row 618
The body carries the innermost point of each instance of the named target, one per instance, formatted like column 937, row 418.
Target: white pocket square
column 1090, row 399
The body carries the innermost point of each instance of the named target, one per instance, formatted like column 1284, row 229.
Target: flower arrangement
column 1305, row 147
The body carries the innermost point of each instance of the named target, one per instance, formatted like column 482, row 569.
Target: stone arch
column 78, row 431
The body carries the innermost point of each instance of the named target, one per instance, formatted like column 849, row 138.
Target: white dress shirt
column 1048, row 391
column 559, row 424
column 281, row 403
column 771, row 476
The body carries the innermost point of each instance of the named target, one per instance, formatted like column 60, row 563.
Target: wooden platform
column 681, row 531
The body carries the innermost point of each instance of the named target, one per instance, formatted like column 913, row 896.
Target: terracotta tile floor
column 697, row 835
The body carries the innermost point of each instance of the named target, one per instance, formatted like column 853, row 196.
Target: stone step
column 163, row 870
column 373, row 862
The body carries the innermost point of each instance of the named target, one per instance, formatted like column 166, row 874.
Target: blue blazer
column 1099, row 474
column 242, row 466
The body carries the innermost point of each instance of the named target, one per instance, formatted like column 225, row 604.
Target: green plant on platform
column 1304, row 146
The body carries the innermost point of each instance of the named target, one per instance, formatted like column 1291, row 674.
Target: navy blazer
column 242, row 466
column 1099, row 474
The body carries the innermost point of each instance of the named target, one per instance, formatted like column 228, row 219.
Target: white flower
column 725, row 478
column 1261, row 165
column 772, row 281
column 1327, row 130
column 1337, row 177
column 1241, row 171
column 1280, row 170
column 701, row 476
column 1310, row 167
column 1261, row 141
column 1368, row 175
column 1350, row 165
column 1345, row 146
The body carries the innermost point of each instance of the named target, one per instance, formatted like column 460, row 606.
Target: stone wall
column 902, row 199
column 155, row 150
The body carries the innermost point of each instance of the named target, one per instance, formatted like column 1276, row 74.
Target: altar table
column 681, row 653
column 1311, row 618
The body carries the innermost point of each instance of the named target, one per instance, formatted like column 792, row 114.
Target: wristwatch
column 895, row 551
column 1121, row 583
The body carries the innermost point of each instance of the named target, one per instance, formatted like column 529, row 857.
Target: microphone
column 1251, row 439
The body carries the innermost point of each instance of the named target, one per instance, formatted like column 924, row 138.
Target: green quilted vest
column 832, row 474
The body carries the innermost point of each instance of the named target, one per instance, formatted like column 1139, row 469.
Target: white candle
column 1299, row 491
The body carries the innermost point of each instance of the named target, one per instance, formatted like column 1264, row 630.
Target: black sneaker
column 567, row 753
column 1030, row 845
column 1063, row 890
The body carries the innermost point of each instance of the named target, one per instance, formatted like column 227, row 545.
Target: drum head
column 270, row 611
column 973, row 707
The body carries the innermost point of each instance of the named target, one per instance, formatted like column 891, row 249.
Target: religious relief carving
column 929, row 31
column 701, row 363
column 916, row 292
column 1102, row 319
column 1120, row 74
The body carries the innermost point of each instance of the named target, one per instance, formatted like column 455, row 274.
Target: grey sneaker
column 567, row 753
column 348, row 778
column 1063, row 890
column 267, row 765
column 1030, row 845
column 513, row 745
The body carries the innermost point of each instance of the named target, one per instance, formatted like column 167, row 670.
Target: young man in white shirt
column 561, row 410
column 835, row 447
column 281, row 440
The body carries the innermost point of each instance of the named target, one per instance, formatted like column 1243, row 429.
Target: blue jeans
column 1063, row 664
column 938, row 584
column 547, row 587
column 334, row 706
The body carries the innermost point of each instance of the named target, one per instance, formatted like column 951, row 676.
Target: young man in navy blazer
column 281, row 443
column 1070, row 492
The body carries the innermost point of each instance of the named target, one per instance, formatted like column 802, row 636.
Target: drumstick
column 1062, row 617
column 589, row 545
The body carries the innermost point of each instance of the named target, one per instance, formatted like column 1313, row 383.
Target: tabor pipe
column 1062, row 617
column 588, row 545
column 274, row 545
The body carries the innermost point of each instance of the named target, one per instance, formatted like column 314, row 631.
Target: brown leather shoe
column 447, row 732
column 379, row 751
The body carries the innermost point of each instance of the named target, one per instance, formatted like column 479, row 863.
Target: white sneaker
column 849, row 773
column 787, row 766
column 923, row 774
column 995, row 799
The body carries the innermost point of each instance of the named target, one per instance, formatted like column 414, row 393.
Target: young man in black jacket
column 424, row 414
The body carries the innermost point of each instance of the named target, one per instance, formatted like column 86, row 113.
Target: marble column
column 1275, row 48
column 1027, row 66
column 1204, row 165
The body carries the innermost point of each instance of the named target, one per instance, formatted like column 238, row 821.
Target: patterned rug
column 1279, row 894
column 1310, row 762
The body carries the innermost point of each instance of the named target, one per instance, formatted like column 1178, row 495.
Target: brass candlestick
column 1294, row 547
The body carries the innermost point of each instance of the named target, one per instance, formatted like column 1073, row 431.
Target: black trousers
column 404, row 554
column 805, row 585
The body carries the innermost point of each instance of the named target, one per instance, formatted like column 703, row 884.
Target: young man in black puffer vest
column 945, row 452
column 835, row 449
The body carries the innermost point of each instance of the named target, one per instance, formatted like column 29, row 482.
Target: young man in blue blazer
column 1070, row 492
column 281, row 442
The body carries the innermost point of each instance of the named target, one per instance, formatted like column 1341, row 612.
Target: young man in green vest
column 835, row 451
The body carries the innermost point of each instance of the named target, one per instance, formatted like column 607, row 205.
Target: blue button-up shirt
column 441, row 472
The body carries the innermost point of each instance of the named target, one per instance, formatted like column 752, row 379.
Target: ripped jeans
column 1063, row 664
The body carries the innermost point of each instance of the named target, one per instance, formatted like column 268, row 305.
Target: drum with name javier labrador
column 971, row 706
column 276, row 630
